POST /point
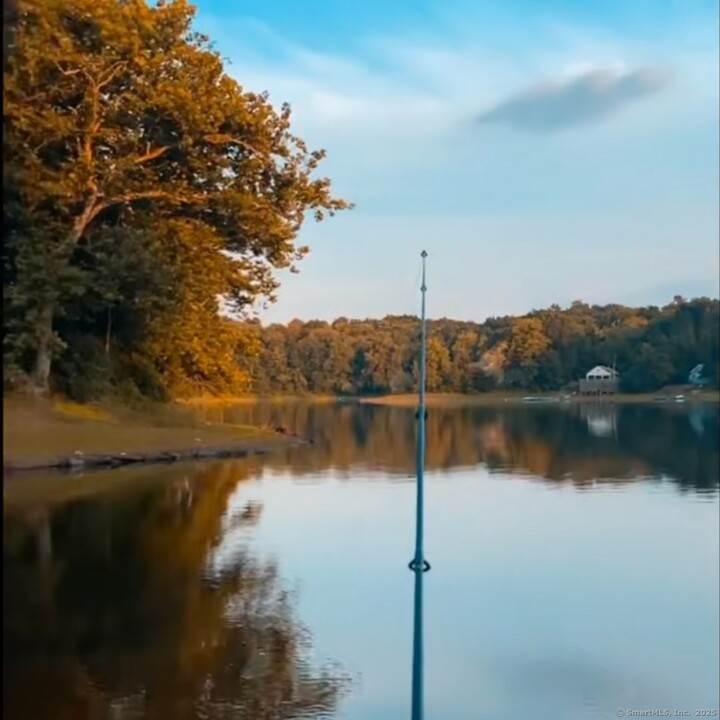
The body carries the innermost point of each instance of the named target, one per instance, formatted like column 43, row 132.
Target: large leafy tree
column 118, row 114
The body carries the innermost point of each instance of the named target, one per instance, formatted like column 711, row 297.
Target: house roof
column 604, row 368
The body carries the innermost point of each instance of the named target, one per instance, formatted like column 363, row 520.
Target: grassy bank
column 459, row 400
column 38, row 428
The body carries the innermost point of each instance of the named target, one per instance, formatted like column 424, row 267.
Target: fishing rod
column 419, row 565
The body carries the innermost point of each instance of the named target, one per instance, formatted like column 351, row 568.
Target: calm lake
column 574, row 557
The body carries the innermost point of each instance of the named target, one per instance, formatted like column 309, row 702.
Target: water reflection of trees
column 111, row 610
column 579, row 443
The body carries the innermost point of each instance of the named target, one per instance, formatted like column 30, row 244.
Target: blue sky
column 540, row 151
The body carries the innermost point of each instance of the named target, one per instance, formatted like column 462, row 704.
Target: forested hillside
column 544, row 350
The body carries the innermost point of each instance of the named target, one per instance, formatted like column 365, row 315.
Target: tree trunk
column 10, row 17
column 108, row 332
column 43, row 358
column 43, row 536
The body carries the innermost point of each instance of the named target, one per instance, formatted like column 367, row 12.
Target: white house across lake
column 601, row 380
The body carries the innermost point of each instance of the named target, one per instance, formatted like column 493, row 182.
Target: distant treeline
column 544, row 350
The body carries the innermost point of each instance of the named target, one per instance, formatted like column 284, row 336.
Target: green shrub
column 82, row 370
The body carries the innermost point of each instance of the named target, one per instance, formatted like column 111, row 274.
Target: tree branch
column 220, row 139
column 179, row 198
column 110, row 74
column 214, row 139
column 67, row 73
column 95, row 205
column 152, row 154
column 85, row 217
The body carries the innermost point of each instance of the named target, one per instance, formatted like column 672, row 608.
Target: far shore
column 447, row 399
column 460, row 400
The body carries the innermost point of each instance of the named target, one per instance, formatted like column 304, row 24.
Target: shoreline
column 60, row 435
column 80, row 461
column 449, row 399
column 53, row 433
column 459, row 400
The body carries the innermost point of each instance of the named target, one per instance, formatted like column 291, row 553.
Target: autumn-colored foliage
column 545, row 350
column 142, row 183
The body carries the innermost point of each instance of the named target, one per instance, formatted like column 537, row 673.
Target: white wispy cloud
column 374, row 103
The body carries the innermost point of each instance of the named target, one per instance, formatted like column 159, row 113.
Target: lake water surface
column 574, row 551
